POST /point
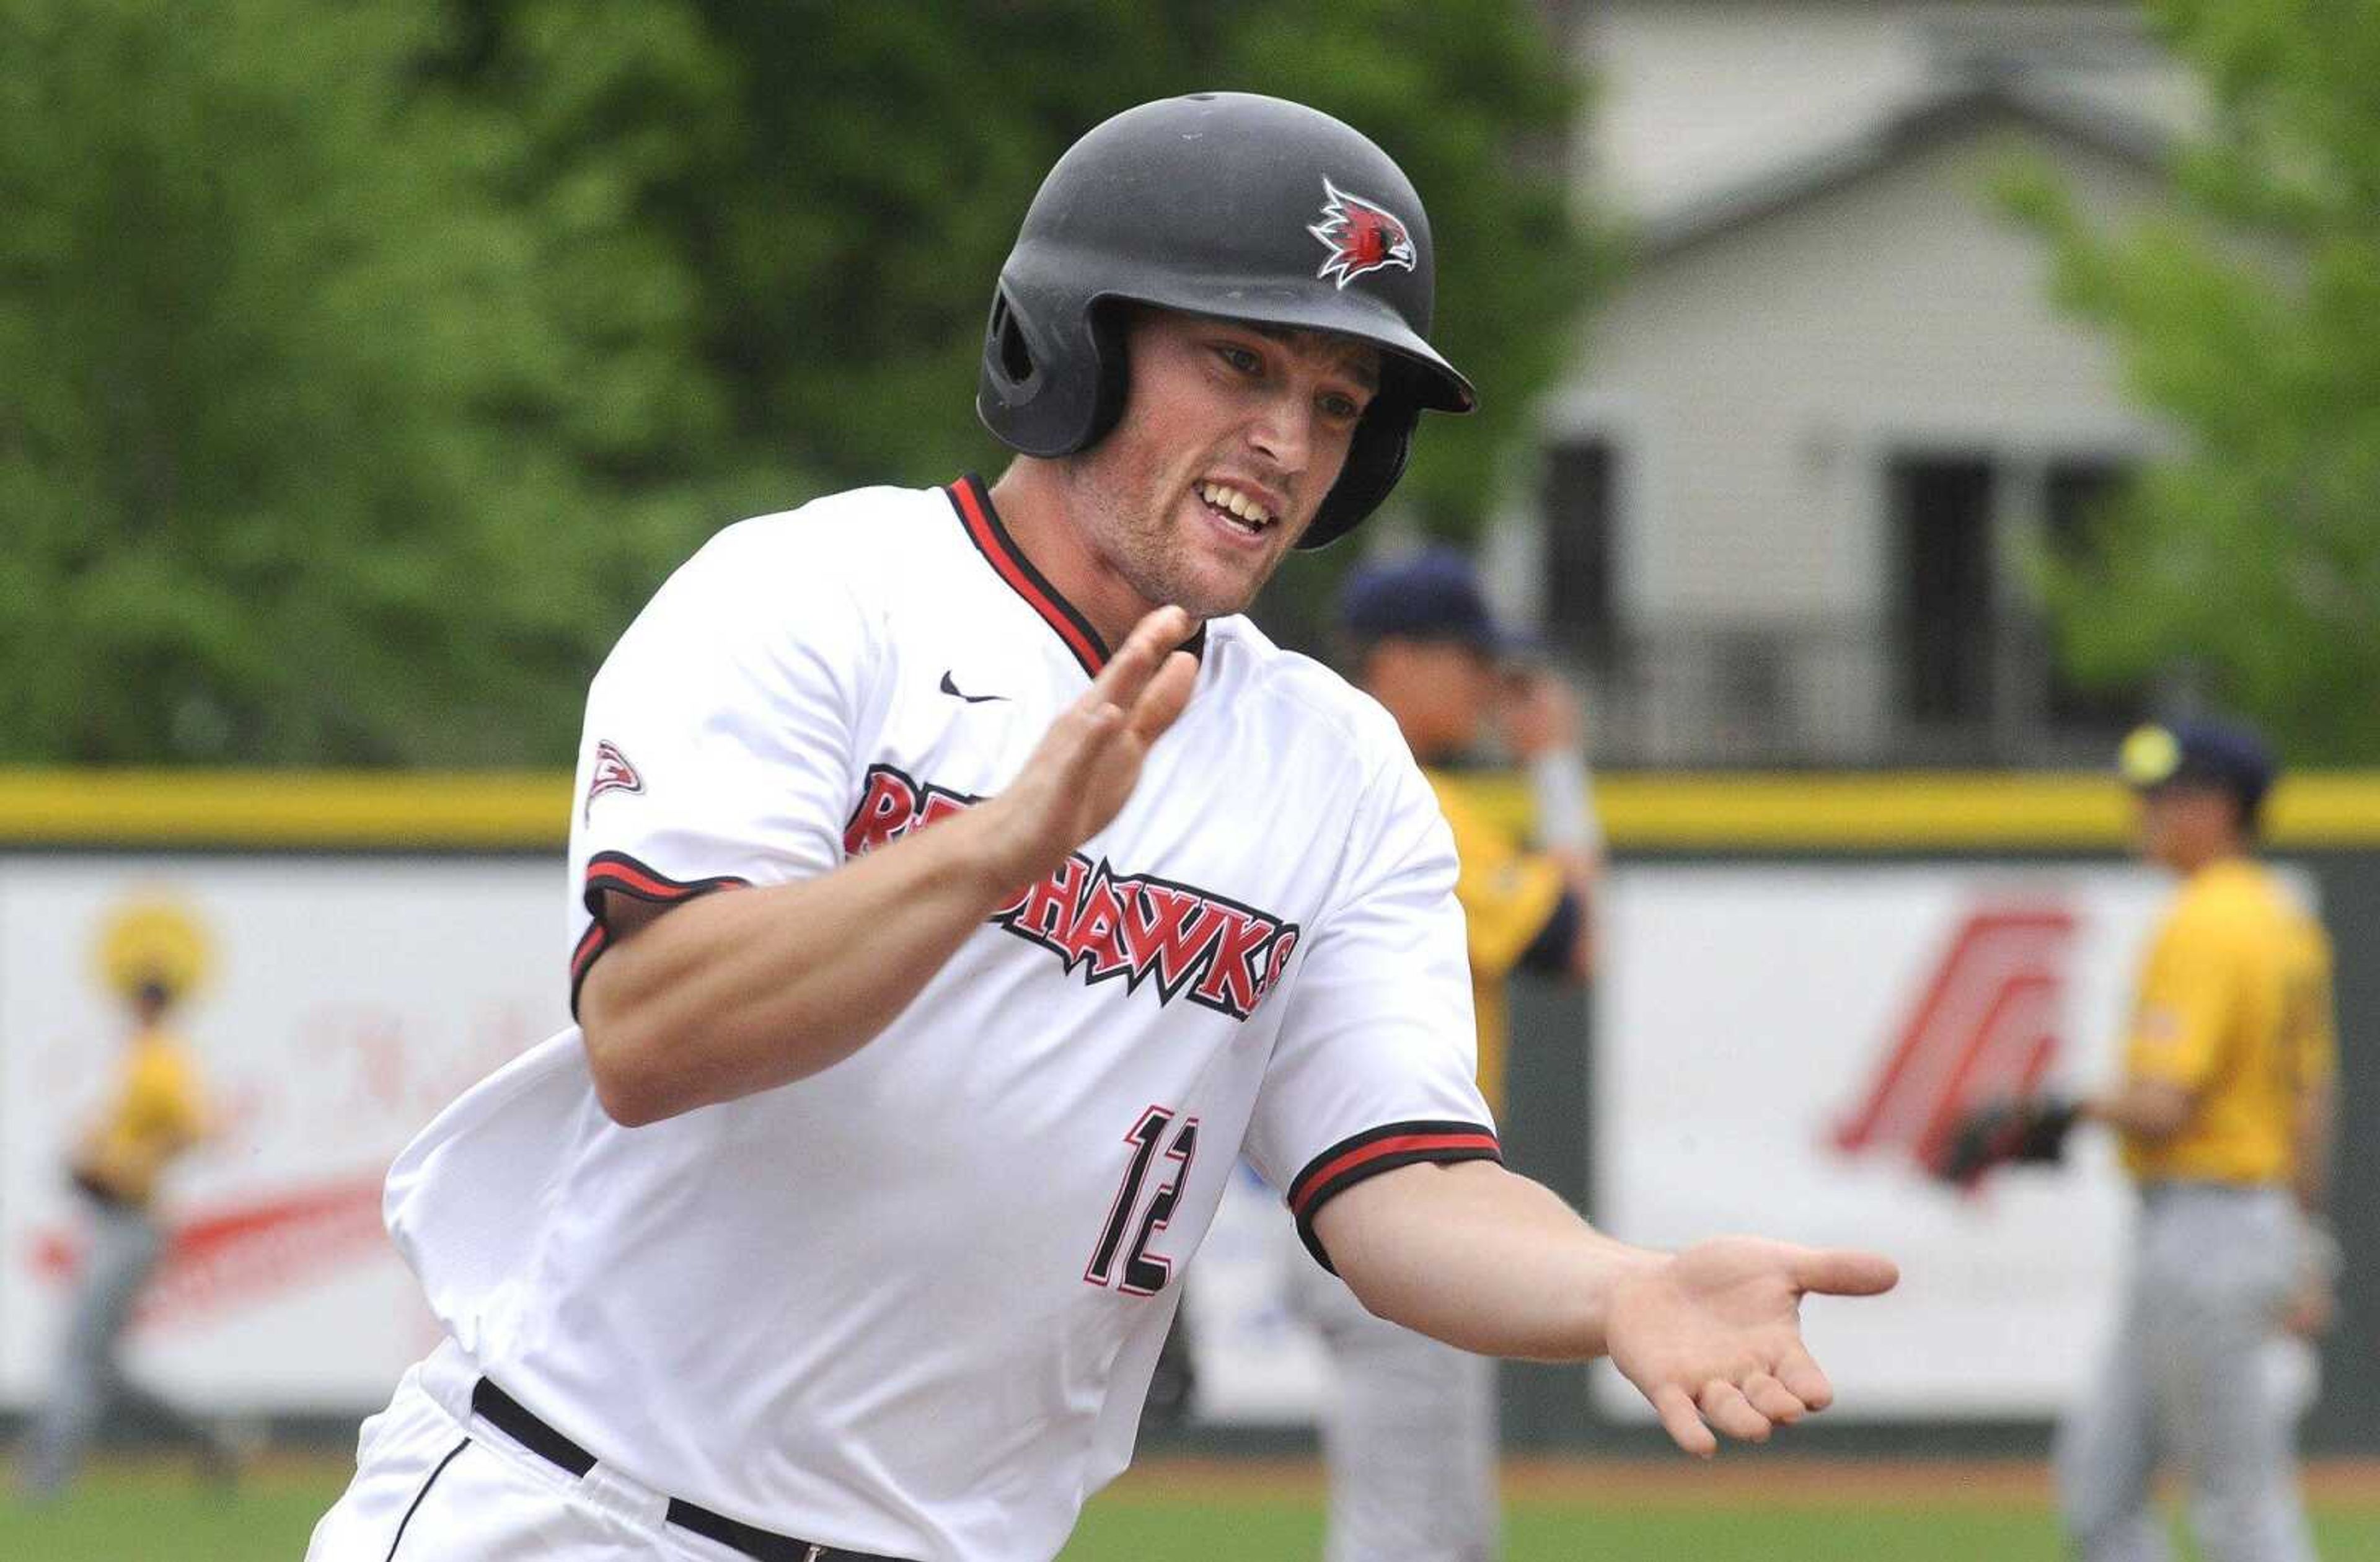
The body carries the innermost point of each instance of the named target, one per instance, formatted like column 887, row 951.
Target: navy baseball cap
column 2204, row 755
column 1433, row 594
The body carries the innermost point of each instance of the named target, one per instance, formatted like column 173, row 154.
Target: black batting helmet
column 1226, row 204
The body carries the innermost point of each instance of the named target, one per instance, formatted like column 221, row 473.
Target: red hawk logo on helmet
column 1362, row 236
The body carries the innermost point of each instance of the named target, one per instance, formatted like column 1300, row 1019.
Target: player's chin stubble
column 1147, row 546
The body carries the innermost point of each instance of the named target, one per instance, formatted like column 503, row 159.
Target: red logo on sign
column 1984, row 1027
column 241, row 1254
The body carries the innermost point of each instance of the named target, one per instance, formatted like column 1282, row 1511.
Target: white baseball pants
column 436, row 1484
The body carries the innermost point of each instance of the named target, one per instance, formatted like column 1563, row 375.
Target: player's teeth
column 1235, row 502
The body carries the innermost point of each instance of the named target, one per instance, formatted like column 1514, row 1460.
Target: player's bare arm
column 1483, row 1259
column 736, row 993
column 2313, row 1140
column 2151, row 1108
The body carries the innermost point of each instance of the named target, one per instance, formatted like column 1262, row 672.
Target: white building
column 1791, row 490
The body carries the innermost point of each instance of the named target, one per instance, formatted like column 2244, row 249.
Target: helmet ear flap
column 1053, row 377
column 1112, row 376
column 1004, row 349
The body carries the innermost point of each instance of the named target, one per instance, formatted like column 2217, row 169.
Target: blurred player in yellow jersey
column 2225, row 1114
column 153, row 1114
column 1410, row 1433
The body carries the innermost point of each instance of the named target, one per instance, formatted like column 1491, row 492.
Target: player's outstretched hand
column 1712, row 1336
column 1089, row 761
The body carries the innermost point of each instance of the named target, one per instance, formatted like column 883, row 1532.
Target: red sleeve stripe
column 991, row 540
column 617, row 871
column 1367, row 1154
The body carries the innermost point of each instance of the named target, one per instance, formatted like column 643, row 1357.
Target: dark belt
column 515, row 1421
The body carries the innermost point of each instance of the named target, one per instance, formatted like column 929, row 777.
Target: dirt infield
column 1769, row 1479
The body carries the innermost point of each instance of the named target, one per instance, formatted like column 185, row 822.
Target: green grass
column 129, row 1513
column 1113, row 1531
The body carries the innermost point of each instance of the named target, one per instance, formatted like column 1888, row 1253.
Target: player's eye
column 1338, row 408
column 1243, row 361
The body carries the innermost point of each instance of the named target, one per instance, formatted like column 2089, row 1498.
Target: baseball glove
column 2033, row 1131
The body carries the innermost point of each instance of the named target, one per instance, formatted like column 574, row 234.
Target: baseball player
column 1409, row 1435
column 959, row 885
column 2225, row 1114
column 153, row 1117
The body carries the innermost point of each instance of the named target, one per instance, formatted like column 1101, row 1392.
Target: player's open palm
column 1089, row 761
column 1713, row 1335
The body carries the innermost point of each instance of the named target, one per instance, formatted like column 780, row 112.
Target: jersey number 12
column 1144, row 1273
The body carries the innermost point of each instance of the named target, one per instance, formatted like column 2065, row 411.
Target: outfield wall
column 1796, row 972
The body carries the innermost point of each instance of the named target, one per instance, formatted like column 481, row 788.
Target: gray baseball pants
column 2184, row 1380
column 125, row 1247
column 1409, row 1435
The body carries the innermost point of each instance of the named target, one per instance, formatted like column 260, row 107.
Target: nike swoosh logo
column 951, row 688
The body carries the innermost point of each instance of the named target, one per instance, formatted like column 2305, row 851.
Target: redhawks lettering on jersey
column 1225, row 956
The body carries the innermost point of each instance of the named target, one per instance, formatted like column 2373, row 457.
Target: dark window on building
column 1945, row 575
column 1579, row 512
column 2075, row 494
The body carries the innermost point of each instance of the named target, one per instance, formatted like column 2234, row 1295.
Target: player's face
column 2185, row 827
column 1441, row 692
column 1231, row 436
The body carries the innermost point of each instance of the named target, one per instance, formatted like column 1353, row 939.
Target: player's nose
column 1283, row 433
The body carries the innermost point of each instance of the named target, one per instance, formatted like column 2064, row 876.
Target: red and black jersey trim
column 1373, row 1151
column 984, row 529
column 973, row 501
column 619, row 873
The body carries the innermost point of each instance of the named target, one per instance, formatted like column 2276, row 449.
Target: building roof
column 1955, row 110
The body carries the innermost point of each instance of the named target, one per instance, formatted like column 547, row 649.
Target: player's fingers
column 1844, row 1272
column 1773, row 1399
column 1802, row 1377
column 1136, row 661
column 1724, row 1406
column 1167, row 694
column 1682, row 1423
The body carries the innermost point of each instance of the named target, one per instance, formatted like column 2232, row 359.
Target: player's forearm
column 1480, row 1258
column 747, row 989
column 2145, row 1108
column 2313, row 1135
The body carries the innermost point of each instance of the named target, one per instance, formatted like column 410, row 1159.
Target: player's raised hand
column 1713, row 1335
column 1089, row 761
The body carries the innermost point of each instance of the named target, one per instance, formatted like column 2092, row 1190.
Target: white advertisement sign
column 1773, row 1045
column 1774, row 1049
column 335, row 1005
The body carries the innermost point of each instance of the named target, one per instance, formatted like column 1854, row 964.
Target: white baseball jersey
column 911, row 1304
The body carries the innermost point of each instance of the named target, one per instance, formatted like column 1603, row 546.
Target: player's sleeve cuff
column 616, row 872
column 1373, row 1151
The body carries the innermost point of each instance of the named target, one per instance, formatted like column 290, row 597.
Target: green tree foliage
column 364, row 367
column 2247, row 317
column 327, row 433
column 848, row 197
